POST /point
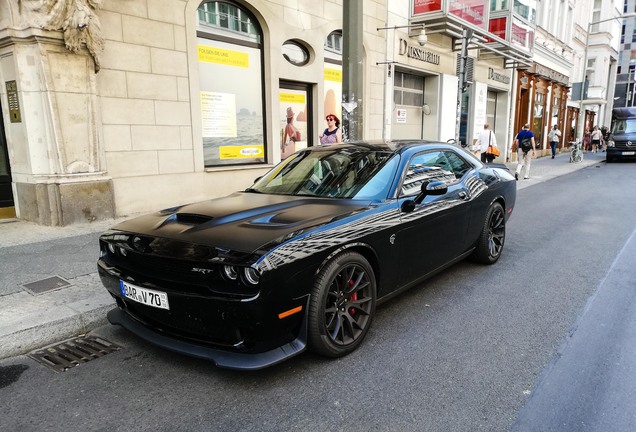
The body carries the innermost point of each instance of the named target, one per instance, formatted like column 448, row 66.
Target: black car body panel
column 202, row 257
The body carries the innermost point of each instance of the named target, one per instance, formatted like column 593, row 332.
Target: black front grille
column 195, row 321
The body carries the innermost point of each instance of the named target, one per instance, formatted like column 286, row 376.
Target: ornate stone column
column 49, row 51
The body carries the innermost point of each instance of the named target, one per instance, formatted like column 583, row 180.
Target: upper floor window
column 526, row 9
column 228, row 17
column 334, row 42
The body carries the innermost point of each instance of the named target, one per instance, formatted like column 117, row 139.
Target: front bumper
column 223, row 359
column 235, row 334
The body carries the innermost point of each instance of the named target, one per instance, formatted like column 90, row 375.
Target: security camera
column 422, row 39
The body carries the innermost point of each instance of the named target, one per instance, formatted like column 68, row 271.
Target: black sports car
column 302, row 257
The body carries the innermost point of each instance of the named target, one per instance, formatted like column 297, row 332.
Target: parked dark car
column 622, row 141
column 302, row 257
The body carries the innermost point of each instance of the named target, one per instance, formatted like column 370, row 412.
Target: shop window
column 231, row 85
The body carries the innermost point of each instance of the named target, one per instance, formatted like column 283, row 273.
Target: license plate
column 145, row 296
column 629, row 153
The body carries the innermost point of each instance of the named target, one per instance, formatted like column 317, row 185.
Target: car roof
column 392, row 146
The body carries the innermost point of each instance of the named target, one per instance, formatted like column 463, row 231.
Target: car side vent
column 194, row 219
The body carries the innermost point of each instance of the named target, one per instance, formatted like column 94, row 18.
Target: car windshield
column 341, row 172
column 623, row 126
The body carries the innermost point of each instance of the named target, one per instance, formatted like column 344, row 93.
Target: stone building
column 115, row 107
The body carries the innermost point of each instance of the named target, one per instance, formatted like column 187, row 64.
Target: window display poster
column 293, row 123
column 333, row 90
column 218, row 114
column 231, row 103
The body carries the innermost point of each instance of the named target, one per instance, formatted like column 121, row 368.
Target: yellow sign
column 242, row 152
column 333, row 75
column 222, row 56
column 294, row 98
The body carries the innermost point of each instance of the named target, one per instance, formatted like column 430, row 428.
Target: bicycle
column 576, row 153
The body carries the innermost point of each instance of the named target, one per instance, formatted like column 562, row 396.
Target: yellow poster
column 242, row 152
column 222, row 56
column 333, row 75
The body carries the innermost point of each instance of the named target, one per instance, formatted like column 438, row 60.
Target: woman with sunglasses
column 332, row 134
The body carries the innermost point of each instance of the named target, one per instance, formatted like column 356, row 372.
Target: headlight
column 251, row 275
column 230, row 272
column 111, row 248
column 611, row 143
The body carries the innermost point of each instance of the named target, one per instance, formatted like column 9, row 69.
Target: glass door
column 294, row 113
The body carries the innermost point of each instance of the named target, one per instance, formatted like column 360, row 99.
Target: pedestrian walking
column 597, row 138
column 485, row 139
column 554, row 135
column 525, row 151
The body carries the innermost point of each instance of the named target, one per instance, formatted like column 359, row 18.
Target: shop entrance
column 414, row 102
column 7, row 209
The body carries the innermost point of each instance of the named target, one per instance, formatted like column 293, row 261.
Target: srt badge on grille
column 201, row 270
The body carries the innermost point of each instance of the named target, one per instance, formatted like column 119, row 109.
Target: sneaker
column 516, row 176
column 526, row 178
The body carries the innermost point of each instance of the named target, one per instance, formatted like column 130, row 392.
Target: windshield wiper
column 252, row 190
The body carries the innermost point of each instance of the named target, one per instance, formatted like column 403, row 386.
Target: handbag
column 492, row 149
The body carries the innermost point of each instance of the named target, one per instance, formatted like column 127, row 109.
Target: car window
column 340, row 172
column 622, row 126
column 436, row 165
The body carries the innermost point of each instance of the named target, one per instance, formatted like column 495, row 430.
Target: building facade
column 117, row 107
column 625, row 89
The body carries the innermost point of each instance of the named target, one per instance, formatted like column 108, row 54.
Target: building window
column 334, row 42
column 231, row 85
column 408, row 89
column 295, row 53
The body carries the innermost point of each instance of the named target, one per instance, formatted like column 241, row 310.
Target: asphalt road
column 543, row 340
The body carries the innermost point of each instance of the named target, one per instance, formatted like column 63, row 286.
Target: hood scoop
column 191, row 218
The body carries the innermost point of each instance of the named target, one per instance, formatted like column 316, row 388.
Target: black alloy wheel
column 492, row 238
column 342, row 305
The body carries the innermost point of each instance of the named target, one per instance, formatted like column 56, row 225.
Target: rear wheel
column 493, row 236
column 342, row 305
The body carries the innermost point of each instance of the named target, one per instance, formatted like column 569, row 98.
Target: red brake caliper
column 353, row 297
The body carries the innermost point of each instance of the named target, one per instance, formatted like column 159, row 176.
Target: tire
column 493, row 236
column 342, row 305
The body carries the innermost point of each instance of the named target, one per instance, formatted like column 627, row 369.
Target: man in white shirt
column 486, row 138
column 554, row 136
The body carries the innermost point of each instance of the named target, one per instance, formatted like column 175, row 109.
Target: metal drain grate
column 45, row 285
column 71, row 353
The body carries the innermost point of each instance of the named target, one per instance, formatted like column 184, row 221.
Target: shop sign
column 418, row 53
column 551, row 74
column 499, row 77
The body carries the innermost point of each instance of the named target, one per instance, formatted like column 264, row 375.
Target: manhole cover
column 45, row 285
column 71, row 353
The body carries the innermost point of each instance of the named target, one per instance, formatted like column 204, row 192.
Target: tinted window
column 446, row 166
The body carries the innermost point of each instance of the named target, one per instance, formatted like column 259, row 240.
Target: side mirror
column 430, row 188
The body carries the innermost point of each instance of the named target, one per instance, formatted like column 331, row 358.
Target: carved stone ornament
column 75, row 18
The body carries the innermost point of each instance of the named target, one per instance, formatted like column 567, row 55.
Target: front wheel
column 492, row 237
column 342, row 305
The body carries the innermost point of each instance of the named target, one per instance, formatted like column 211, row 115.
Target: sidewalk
column 50, row 290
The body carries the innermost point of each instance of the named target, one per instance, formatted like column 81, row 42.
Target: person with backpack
column 525, row 145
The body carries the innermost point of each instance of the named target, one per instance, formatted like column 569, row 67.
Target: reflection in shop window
column 229, row 45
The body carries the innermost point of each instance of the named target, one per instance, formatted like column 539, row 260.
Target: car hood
column 245, row 222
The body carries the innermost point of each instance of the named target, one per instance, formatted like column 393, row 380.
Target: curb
column 32, row 322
